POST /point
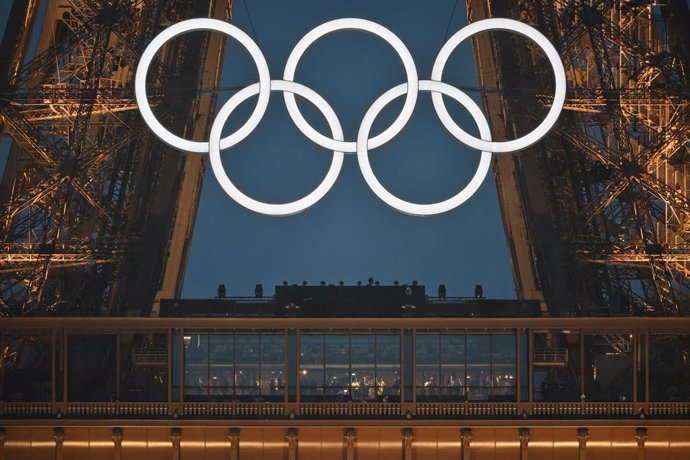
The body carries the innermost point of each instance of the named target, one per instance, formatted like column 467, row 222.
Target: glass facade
column 556, row 366
column 669, row 363
column 26, row 366
column 608, row 373
column 465, row 367
column 350, row 367
column 91, row 367
column 233, row 367
column 212, row 365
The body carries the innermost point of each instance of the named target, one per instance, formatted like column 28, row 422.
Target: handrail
column 344, row 410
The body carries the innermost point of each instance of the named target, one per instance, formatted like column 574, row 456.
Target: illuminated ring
column 407, row 207
column 284, row 209
column 558, row 98
column 375, row 29
column 192, row 25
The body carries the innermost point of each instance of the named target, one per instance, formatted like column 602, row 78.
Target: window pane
column 608, row 367
column 26, row 367
column 311, row 367
column 503, row 367
column 363, row 372
column 221, row 350
column 452, row 367
column 91, row 367
column 337, row 361
column 478, row 367
column 388, row 367
column 247, row 367
column 428, row 362
column 196, row 366
column 144, row 367
column 669, row 367
column 272, row 366
column 556, row 366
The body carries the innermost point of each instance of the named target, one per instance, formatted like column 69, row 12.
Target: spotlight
column 479, row 291
column 442, row 291
column 259, row 291
column 222, row 292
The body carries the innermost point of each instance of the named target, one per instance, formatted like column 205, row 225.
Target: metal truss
column 74, row 190
column 618, row 163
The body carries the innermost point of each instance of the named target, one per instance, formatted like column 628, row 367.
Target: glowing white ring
column 337, row 143
column 559, row 92
column 407, row 207
column 192, row 25
column 283, row 209
column 366, row 26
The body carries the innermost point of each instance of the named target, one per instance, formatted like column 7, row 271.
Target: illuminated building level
column 269, row 377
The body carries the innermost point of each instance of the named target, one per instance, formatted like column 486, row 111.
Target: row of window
column 344, row 367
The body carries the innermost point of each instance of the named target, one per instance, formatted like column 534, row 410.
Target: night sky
column 350, row 235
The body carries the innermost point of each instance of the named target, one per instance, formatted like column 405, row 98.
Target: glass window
column 337, row 364
column 669, row 367
column 388, row 367
column 311, row 367
column 272, row 383
column 608, row 367
column 428, row 366
column 503, row 370
column 453, row 367
column 343, row 367
column 556, row 366
column 221, row 350
column 143, row 367
column 196, row 378
column 91, row 367
column 478, row 372
column 247, row 365
column 363, row 370
column 26, row 367
column 226, row 367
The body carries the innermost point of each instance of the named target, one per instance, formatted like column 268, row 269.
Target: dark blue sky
column 350, row 235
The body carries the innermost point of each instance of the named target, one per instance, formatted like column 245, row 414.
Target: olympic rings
column 337, row 143
column 285, row 209
column 558, row 98
column 406, row 207
column 366, row 26
column 191, row 26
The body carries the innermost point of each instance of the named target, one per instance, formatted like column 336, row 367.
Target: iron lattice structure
column 605, row 199
column 88, row 197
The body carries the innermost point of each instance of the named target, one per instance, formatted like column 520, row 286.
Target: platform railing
column 343, row 410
